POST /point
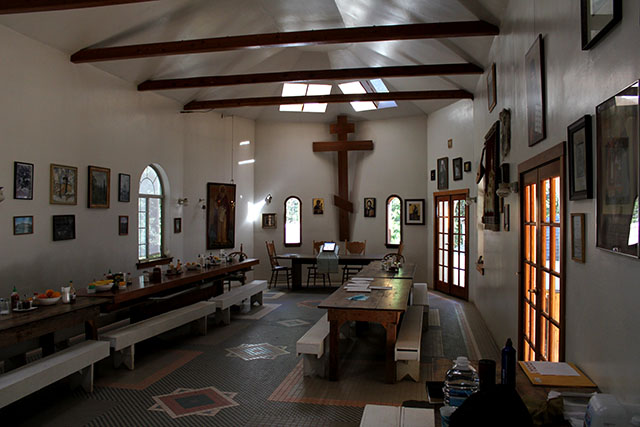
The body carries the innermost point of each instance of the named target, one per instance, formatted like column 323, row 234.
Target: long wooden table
column 139, row 291
column 297, row 260
column 382, row 306
column 374, row 269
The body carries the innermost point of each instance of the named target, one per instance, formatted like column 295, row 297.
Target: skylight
column 369, row 86
column 303, row 89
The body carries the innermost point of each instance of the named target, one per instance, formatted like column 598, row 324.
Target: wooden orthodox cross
column 343, row 146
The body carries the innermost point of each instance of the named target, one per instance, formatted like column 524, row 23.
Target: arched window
column 292, row 221
column 394, row 221
column 150, row 215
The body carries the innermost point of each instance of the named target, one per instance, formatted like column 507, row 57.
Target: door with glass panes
column 451, row 251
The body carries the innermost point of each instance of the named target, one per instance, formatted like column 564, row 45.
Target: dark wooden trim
column 452, row 192
column 331, row 99
column 306, row 75
column 545, row 157
column 24, row 6
column 342, row 203
column 386, row 221
column 159, row 261
column 294, row 38
column 342, row 146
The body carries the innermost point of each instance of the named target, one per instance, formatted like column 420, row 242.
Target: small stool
column 420, row 296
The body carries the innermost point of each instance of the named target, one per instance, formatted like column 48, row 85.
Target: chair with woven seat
column 352, row 248
column 312, row 271
column 240, row 275
column 276, row 268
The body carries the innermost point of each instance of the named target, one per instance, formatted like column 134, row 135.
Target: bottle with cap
column 14, row 298
column 461, row 382
column 508, row 371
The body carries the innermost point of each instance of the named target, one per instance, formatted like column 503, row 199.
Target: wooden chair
column 312, row 271
column 276, row 268
column 353, row 248
column 238, row 276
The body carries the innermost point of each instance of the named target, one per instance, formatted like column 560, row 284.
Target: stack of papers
column 357, row 287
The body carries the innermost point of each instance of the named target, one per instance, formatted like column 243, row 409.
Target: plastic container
column 461, row 382
column 445, row 415
column 605, row 410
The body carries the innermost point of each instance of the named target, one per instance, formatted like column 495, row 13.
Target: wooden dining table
column 381, row 306
column 375, row 270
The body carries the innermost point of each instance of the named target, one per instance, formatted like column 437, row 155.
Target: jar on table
column 4, row 306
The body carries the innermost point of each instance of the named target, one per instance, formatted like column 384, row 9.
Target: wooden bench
column 30, row 378
column 235, row 296
column 420, row 296
column 407, row 351
column 312, row 345
column 123, row 340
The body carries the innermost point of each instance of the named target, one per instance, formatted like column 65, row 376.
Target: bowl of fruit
column 49, row 297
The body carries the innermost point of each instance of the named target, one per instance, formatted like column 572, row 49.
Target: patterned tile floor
column 248, row 374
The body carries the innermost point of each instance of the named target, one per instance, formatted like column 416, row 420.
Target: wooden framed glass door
column 451, row 260
column 542, row 263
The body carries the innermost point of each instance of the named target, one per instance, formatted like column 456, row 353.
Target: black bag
column 498, row 406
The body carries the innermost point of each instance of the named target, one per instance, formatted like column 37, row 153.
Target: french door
column 542, row 263
column 451, row 213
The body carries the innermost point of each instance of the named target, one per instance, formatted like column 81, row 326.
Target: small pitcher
column 66, row 294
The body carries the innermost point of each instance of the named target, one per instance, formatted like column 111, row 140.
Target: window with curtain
column 394, row 221
column 150, row 215
column 292, row 221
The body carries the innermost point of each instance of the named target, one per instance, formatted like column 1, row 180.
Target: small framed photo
column 99, row 187
column 22, row 225
column 268, row 220
column 414, row 211
column 177, row 225
column 369, row 207
column 443, row 173
column 123, row 225
column 535, row 90
column 124, row 187
column 597, row 18
column 22, row 181
column 577, row 237
column 491, row 87
column 467, row 166
column 63, row 185
column 64, row 227
column 580, row 163
column 318, row 206
column 433, row 174
column 457, row 168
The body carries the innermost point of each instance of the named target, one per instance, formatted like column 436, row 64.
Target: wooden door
column 451, row 260
column 542, row 263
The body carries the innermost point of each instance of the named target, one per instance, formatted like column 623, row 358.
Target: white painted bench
column 407, row 351
column 30, row 378
column 123, row 340
column 235, row 296
column 312, row 345
column 420, row 296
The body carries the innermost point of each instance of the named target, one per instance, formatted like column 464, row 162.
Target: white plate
column 106, row 287
column 48, row 301
column 18, row 310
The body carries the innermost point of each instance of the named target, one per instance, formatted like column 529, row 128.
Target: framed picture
column 467, row 166
column 123, row 225
column 268, row 220
column 64, row 227
column 597, row 18
column 177, row 225
column 491, row 87
column 617, row 146
column 580, row 165
column 22, row 225
column 506, row 224
column 369, row 207
column 99, row 187
column 414, row 211
column 577, row 237
column 318, row 206
column 63, row 188
column 433, row 174
column 22, row 181
column 491, row 208
column 457, row 168
column 221, row 215
column 124, row 187
column 443, row 173
column 534, row 69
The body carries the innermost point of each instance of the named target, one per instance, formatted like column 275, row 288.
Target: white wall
column 56, row 112
column 602, row 316
column 286, row 165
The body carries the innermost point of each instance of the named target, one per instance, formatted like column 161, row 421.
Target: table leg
column 334, row 349
column 390, row 369
column 90, row 330
column 296, row 274
column 47, row 344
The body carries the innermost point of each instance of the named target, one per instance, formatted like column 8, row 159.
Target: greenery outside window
column 150, row 208
column 393, row 233
column 292, row 221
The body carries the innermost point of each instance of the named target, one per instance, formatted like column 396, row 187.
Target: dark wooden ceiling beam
column 306, row 75
column 338, row 98
column 24, row 6
column 295, row 38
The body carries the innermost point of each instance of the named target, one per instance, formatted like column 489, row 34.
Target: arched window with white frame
column 292, row 221
column 393, row 232
column 150, row 217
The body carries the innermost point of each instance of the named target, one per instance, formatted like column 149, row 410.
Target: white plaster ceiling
column 171, row 20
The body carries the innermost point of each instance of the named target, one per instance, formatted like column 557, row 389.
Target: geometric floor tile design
column 434, row 317
column 206, row 401
column 257, row 313
column 310, row 303
column 293, row 322
column 272, row 295
column 257, row 351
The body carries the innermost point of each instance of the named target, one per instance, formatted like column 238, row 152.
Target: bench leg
column 126, row 356
column 223, row 316
column 199, row 326
column 87, row 378
column 408, row 367
column 256, row 298
column 311, row 365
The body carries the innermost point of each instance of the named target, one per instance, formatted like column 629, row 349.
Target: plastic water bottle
column 461, row 382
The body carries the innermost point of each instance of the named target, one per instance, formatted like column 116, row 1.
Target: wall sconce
column 268, row 199
column 506, row 188
column 183, row 202
column 201, row 204
column 470, row 199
